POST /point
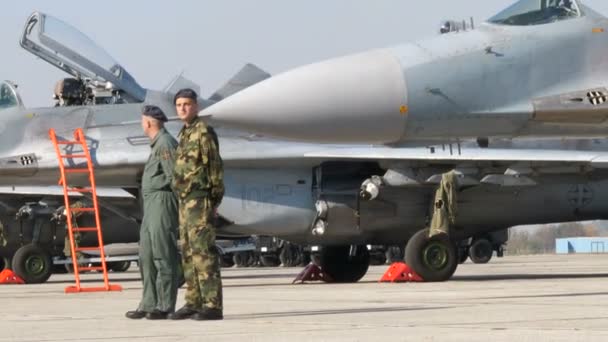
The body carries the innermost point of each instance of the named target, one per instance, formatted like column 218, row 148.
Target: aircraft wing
column 454, row 155
column 504, row 167
column 58, row 191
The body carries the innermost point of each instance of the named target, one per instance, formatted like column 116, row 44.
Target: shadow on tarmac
column 495, row 277
column 333, row 312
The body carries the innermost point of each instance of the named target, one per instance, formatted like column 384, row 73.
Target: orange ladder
column 80, row 140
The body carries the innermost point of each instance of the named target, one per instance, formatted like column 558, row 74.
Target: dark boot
column 183, row 313
column 157, row 315
column 135, row 314
column 208, row 315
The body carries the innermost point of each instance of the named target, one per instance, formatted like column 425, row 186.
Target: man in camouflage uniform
column 198, row 182
column 3, row 240
column 158, row 256
column 67, row 250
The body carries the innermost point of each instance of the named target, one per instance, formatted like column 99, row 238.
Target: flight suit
column 445, row 206
column 198, row 182
column 158, row 255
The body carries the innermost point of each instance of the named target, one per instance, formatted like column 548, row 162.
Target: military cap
column 155, row 113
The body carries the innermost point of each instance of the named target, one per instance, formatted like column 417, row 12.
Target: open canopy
column 70, row 50
column 537, row 12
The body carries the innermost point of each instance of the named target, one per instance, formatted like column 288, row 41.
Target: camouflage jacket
column 198, row 168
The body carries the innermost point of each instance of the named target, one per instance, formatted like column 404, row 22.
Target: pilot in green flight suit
column 158, row 254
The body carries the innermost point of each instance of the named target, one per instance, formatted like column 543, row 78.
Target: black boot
column 208, row 315
column 183, row 313
column 157, row 315
column 135, row 314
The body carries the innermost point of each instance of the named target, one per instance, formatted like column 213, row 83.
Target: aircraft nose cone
column 358, row 98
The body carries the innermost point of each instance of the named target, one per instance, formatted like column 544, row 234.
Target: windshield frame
column 511, row 17
column 36, row 40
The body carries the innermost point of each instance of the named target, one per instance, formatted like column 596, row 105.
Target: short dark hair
column 186, row 93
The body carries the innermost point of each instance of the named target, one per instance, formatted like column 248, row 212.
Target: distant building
column 581, row 245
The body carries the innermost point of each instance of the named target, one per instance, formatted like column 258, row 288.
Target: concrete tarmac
column 532, row 298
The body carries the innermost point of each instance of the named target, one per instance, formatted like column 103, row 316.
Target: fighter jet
column 34, row 229
column 100, row 96
column 341, row 197
column 537, row 68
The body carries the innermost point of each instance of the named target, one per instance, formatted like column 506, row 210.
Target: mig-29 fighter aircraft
column 311, row 193
column 537, row 68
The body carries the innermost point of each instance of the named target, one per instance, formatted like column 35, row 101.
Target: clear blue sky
column 211, row 40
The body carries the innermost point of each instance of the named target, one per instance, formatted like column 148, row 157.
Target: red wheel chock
column 9, row 277
column 400, row 272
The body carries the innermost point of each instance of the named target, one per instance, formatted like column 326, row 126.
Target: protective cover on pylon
column 9, row 277
column 400, row 272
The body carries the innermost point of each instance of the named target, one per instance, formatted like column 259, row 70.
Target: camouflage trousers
column 3, row 240
column 67, row 250
column 200, row 256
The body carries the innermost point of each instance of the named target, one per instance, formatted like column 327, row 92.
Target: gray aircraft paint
column 273, row 185
column 474, row 83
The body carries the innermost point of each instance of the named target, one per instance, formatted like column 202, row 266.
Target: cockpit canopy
column 537, row 12
column 8, row 96
column 70, row 50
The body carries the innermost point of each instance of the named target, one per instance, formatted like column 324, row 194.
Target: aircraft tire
column 226, row 260
column 33, row 264
column 336, row 262
column 290, row 255
column 377, row 259
column 463, row 255
column 434, row 259
column 243, row 259
column 4, row 264
column 119, row 266
column 481, row 251
column 394, row 254
column 269, row 260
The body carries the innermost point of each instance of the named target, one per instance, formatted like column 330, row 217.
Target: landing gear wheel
column 119, row 266
column 336, row 262
column 290, row 255
column 33, row 264
column 4, row 264
column 463, row 255
column 377, row 259
column 434, row 259
column 243, row 259
column 226, row 260
column 269, row 260
column 394, row 254
column 481, row 251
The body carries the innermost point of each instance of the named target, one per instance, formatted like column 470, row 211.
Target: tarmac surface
column 532, row 298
